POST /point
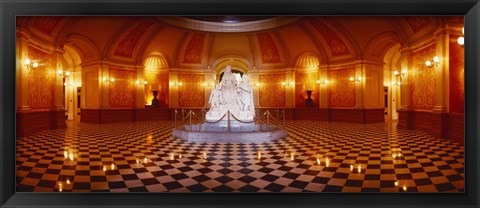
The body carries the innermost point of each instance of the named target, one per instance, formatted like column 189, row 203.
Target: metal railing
column 266, row 119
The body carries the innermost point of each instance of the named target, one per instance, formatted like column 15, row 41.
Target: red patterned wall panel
column 304, row 82
column 418, row 22
column 271, row 93
column 160, row 83
column 268, row 49
column 193, row 52
column 422, row 80
column 41, row 82
column 129, row 42
column 341, row 91
column 122, row 91
column 192, row 92
column 46, row 24
column 334, row 42
column 456, row 76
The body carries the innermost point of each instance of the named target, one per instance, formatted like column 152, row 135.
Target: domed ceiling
column 203, row 42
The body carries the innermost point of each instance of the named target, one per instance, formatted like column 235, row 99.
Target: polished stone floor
column 315, row 157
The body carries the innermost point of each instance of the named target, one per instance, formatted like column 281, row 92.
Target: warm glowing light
column 179, row 155
column 104, row 168
column 428, row 63
column 404, row 188
column 112, row 79
column 395, row 73
column 60, row 72
column 291, row 83
column 359, row 169
column 259, row 155
column 138, row 161
column 104, row 79
column 172, row 156
column 461, row 41
column 28, row 61
column 205, row 155
column 436, row 59
column 68, row 181
column 292, row 156
column 35, row 64
column 396, row 183
column 318, row 161
column 179, row 84
column 144, row 160
column 65, row 154
column 327, row 162
column 257, row 84
column 351, row 167
column 67, row 73
column 60, row 186
column 283, row 83
column 112, row 166
column 71, row 156
column 404, row 72
column 352, row 79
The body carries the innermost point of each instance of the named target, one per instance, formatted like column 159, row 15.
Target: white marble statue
column 227, row 96
column 245, row 97
column 215, row 97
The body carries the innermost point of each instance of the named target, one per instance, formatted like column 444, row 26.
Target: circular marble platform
column 239, row 133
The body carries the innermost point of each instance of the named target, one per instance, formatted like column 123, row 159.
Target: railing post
column 268, row 120
column 176, row 118
column 228, row 121
column 190, row 113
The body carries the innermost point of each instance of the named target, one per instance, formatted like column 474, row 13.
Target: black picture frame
column 9, row 9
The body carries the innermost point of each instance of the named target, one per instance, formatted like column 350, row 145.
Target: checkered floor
column 315, row 157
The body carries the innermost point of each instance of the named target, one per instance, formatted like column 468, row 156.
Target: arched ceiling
column 273, row 42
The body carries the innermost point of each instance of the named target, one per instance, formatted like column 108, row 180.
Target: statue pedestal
column 309, row 101
column 155, row 101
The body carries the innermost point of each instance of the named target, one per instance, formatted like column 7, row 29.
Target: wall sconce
column 461, row 40
column 396, row 84
column 288, row 83
column 68, row 84
column 434, row 62
column 208, row 85
column 323, row 82
column 355, row 79
column 176, row 84
column 105, row 79
column 63, row 74
column 30, row 64
column 403, row 73
column 141, row 82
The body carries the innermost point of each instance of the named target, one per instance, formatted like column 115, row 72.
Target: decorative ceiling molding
column 229, row 27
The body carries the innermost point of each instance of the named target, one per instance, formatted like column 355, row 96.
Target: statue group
column 228, row 96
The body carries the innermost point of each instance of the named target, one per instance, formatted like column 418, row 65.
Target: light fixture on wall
column 461, row 39
column 69, row 84
column 142, row 82
column 396, row 84
column 355, row 79
column 322, row 82
column 30, row 64
column 288, row 83
column 402, row 73
column 208, row 85
column 433, row 62
column 105, row 79
column 61, row 73
column 176, row 84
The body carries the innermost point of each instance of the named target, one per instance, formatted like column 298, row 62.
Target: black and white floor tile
column 315, row 157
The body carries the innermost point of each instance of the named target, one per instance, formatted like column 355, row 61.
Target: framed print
column 281, row 104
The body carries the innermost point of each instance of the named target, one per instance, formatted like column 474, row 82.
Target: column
column 442, row 71
column 22, row 73
column 323, row 88
column 173, row 89
column 290, row 90
column 105, row 101
column 359, row 86
column 405, row 99
column 140, row 89
column 58, row 96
